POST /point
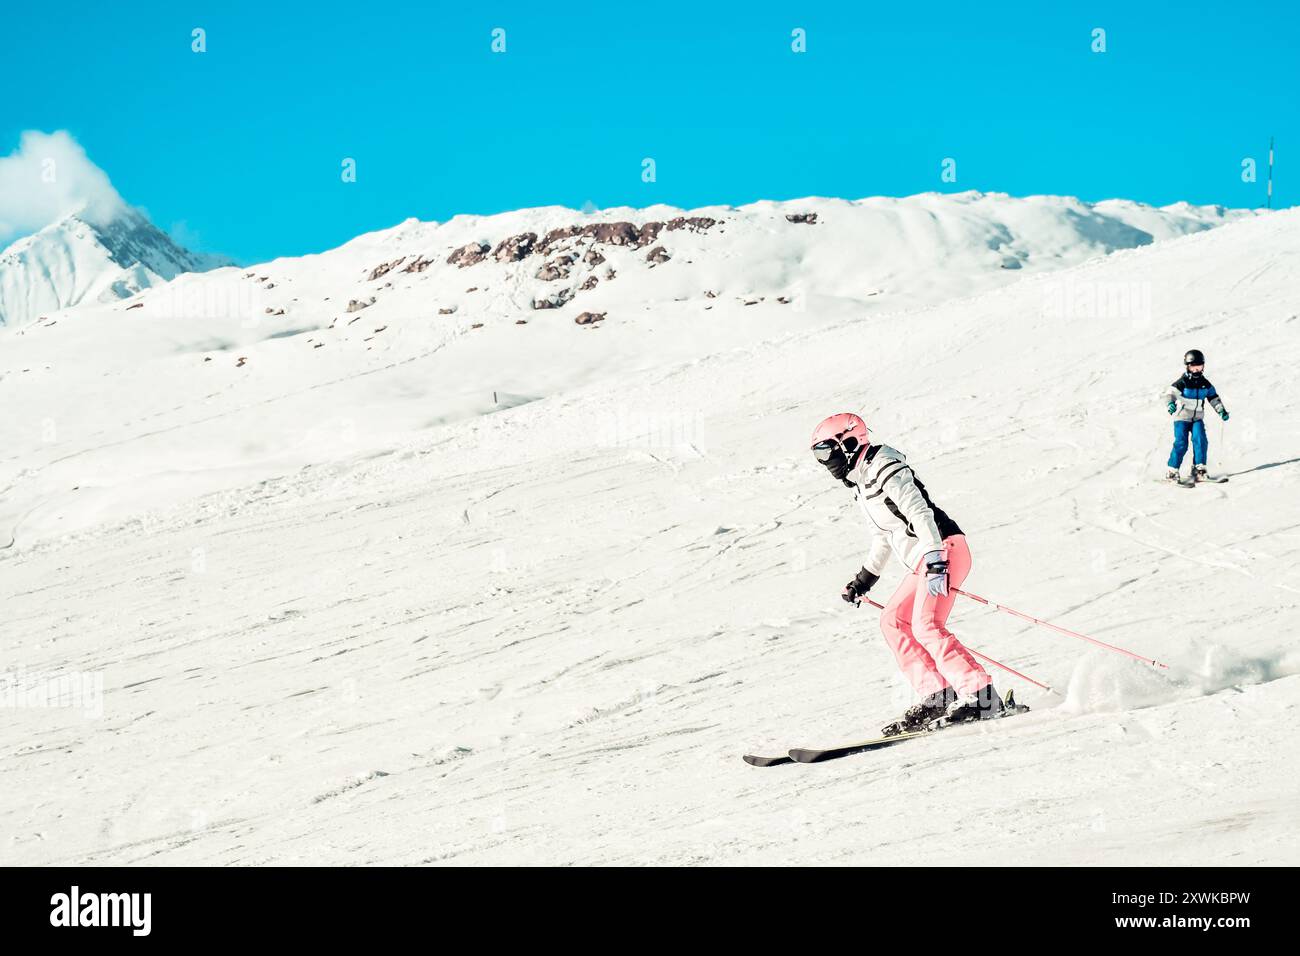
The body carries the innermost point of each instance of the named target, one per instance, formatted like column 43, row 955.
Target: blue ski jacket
column 1191, row 393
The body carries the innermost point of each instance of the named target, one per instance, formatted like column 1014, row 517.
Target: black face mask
column 831, row 454
column 837, row 464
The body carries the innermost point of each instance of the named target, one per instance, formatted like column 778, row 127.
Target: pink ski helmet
column 845, row 431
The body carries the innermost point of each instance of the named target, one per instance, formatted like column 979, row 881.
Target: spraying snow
column 1103, row 683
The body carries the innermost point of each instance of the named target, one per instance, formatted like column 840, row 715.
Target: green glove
column 1173, row 406
column 1224, row 414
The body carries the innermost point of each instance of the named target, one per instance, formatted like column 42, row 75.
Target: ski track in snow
column 509, row 641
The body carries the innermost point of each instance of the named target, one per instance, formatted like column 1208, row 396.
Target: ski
column 1212, row 479
column 1010, row 708
column 1180, row 483
column 756, row 761
column 806, row 755
column 813, row 756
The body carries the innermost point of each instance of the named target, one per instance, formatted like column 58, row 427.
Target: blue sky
column 238, row 149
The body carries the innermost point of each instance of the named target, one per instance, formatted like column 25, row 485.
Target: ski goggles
column 826, row 450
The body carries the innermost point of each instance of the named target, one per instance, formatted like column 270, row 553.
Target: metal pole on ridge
column 1063, row 630
column 1270, row 172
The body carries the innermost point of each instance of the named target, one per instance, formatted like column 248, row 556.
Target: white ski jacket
column 907, row 522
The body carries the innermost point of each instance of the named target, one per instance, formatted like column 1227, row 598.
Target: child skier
column 933, row 549
column 1187, row 397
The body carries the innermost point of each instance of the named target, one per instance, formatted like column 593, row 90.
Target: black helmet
column 1194, row 357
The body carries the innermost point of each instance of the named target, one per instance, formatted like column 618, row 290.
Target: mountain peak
column 90, row 257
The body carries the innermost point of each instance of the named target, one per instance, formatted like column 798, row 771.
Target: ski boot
column 1173, row 476
column 984, row 704
column 919, row 715
column 1200, row 473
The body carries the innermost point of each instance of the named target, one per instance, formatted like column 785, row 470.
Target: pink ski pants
column 913, row 622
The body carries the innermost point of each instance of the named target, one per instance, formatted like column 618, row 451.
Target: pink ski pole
column 983, row 657
column 1056, row 627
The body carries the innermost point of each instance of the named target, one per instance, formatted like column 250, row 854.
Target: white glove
column 936, row 574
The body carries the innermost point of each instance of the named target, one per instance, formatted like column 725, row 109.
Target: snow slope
column 223, row 378
column 547, row 634
column 88, row 259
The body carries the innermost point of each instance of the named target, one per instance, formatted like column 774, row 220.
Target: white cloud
column 48, row 177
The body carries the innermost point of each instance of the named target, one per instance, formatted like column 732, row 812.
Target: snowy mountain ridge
column 85, row 258
column 361, row 348
column 927, row 247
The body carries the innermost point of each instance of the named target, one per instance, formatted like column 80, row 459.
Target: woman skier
column 1187, row 397
column 933, row 550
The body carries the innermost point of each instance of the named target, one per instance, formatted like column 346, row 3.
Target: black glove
column 859, row 586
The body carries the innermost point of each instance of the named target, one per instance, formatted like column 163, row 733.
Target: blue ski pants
column 1200, row 443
